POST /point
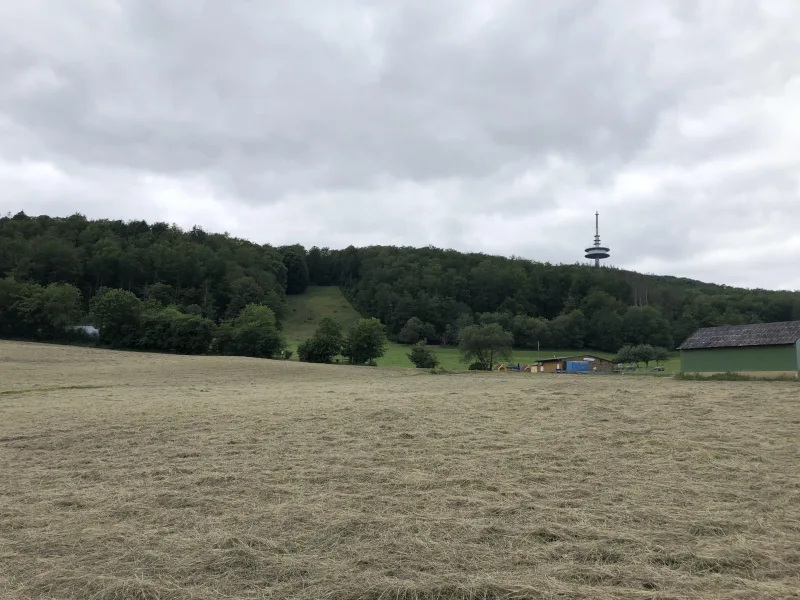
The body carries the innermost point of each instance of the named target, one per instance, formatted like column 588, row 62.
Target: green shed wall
column 761, row 358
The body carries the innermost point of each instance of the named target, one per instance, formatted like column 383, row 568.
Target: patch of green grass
column 305, row 311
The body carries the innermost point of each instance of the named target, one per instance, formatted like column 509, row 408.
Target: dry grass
column 158, row 477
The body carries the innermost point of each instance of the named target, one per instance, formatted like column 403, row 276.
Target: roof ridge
column 774, row 333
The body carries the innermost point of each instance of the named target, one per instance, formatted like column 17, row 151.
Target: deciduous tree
column 416, row 330
column 644, row 353
column 297, row 274
column 253, row 333
column 365, row 342
column 483, row 344
column 117, row 313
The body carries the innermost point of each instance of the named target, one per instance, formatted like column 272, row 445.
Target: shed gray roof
column 738, row 336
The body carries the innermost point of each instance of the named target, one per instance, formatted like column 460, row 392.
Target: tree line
column 49, row 313
column 192, row 286
column 433, row 293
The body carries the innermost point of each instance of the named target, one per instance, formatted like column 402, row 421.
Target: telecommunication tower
column 597, row 251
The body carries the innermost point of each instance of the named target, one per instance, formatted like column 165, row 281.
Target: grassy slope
column 306, row 311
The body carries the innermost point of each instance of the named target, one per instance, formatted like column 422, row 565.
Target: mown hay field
column 145, row 476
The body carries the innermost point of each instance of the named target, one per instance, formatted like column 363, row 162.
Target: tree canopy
column 365, row 342
column 481, row 345
column 253, row 333
column 415, row 293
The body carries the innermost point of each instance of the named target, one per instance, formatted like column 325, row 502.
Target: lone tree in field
column 625, row 355
column 644, row 353
column 326, row 343
column 365, row 342
column 422, row 356
column 660, row 355
column 483, row 344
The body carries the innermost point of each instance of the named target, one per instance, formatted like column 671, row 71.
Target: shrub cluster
column 364, row 343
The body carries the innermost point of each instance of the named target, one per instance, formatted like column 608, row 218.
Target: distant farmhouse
column 765, row 349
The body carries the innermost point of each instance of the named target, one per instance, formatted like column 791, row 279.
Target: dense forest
column 55, row 272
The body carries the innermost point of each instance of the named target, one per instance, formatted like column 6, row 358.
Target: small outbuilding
column 764, row 349
column 579, row 363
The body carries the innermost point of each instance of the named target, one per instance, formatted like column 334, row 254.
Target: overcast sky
column 497, row 126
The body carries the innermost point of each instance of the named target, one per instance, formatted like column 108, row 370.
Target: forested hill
column 438, row 291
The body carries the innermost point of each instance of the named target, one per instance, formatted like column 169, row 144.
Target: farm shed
column 765, row 349
column 558, row 364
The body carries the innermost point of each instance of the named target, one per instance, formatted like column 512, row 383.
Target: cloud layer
column 498, row 127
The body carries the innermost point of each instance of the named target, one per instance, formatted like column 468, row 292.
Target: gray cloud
column 495, row 127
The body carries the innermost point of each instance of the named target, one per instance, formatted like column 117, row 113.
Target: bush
column 253, row 333
column 365, row 342
column 169, row 330
column 423, row 357
column 305, row 351
column 155, row 329
column 192, row 334
column 326, row 343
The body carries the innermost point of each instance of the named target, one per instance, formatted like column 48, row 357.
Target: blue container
column 577, row 366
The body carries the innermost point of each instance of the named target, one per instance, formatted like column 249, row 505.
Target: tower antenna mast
column 597, row 251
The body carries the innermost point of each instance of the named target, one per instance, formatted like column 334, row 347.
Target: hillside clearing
column 126, row 475
column 305, row 311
